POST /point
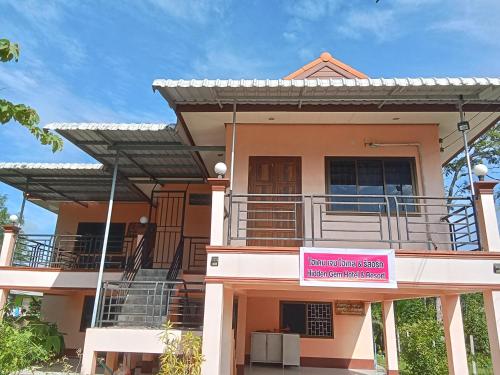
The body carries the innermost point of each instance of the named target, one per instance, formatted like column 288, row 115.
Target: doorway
column 276, row 217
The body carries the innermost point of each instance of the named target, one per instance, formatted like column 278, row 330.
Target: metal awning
column 149, row 153
column 330, row 91
column 48, row 184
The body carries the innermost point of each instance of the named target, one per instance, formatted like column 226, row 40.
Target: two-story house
column 268, row 219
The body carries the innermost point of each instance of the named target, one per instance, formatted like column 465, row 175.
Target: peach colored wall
column 66, row 312
column 352, row 334
column 197, row 218
column 70, row 214
column 314, row 142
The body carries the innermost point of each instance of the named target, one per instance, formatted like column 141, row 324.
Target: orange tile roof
column 324, row 59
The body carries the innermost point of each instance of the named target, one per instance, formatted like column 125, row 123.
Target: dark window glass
column 356, row 176
column 88, row 307
column 370, row 182
column 307, row 318
column 293, row 317
column 95, row 235
column 343, row 182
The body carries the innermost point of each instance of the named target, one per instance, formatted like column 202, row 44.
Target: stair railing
column 176, row 265
column 142, row 255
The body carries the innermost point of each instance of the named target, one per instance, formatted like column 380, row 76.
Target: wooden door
column 270, row 218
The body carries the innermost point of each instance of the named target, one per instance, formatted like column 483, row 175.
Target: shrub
column 182, row 355
column 27, row 341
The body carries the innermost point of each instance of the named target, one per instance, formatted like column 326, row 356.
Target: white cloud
column 312, row 10
column 199, row 11
column 476, row 20
column 378, row 24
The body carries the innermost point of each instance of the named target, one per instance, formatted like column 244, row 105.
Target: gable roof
column 326, row 66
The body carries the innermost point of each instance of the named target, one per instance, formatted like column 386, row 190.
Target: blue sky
column 96, row 60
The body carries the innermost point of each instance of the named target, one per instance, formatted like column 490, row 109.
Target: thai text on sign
column 347, row 267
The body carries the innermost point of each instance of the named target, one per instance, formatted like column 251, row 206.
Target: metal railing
column 69, row 251
column 142, row 254
column 195, row 251
column 150, row 304
column 403, row 222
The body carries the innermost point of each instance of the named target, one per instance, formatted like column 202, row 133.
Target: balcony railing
column 403, row 222
column 70, row 251
column 151, row 303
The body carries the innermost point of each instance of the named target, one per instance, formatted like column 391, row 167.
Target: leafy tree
column 21, row 113
column 423, row 349
column 414, row 310
column 474, row 319
column 486, row 149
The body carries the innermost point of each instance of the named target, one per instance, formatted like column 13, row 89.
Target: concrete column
column 6, row 255
column 390, row 338
column 8, row 245
column 217, row 330
column 492, row 310
column 219, row 186
column 240, row 334
column 454, row 335
column 486, row 216
column 89, row 361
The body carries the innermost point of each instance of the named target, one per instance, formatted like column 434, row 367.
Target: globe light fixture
column 480, row 170
column 143, row 220
column 13, row 219
column 220, row 169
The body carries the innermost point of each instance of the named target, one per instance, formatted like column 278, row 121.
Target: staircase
column 145, row 302
column 147, row 297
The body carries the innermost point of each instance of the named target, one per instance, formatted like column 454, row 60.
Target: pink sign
column 347, row 267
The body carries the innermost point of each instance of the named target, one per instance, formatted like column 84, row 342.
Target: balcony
column 353, row 221
column 70, row 251
column 83, row 252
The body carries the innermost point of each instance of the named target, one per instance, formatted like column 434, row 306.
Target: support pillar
column 219, row 186
column 89, row 362
column 217, row 330
column 6, row 255
column 105, row 243
column 8, row 245
column 492, row 311
column 240, row 334
column 486, row 216
column 454, row 335
column 390, row 338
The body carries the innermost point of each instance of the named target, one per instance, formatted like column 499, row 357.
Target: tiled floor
column 268, row 370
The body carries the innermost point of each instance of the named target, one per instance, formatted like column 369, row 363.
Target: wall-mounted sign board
column 354, row 268
column 350, row 308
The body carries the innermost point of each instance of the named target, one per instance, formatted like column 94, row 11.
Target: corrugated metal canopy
column 328, row 91
column 50, row 183
column 155, row 152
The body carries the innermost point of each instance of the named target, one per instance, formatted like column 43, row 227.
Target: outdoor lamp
column 220, row 169
column 13, row 219
column 480, row 170
column 143, row 220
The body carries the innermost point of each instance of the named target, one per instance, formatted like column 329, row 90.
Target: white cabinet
column 291, row 349
column 275, row 348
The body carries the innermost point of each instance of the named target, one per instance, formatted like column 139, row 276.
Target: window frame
column 413, row 174
column 306, row 322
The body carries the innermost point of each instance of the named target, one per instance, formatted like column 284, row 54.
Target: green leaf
column 8, row 50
